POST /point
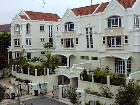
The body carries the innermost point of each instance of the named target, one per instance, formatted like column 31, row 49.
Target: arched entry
column 63, row 60
column 63, row 80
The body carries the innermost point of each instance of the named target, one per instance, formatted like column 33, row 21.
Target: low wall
column 95, row 86
column 102, row 100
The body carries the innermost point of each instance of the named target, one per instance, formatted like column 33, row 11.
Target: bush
column 100, row 75
column 84, row 75
column 92, row 92
column 117, row 79
column 2, row 91
column 128, row 94
column 72, row 95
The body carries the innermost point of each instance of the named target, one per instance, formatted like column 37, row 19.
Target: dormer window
column 69, row 26
column 114, row 21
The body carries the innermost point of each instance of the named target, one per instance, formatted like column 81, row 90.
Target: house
column 5, row 28
column 100, row 35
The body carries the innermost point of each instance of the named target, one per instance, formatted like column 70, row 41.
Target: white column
column 35, row 72
column 125, row 67
column 44, row 71
column 60, row 91
column 93, row 77
column 12, row 68
column 108, row 80
column 21, row 70
column 48, row 71
column 67, row 61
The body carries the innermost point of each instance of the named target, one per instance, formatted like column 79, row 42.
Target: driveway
column 42, row 100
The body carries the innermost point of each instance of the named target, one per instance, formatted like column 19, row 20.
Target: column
column 93, row 77
column 48, row 71
column 125, row 67
column 12, row 68
column 100, row 63
column 68, row 61
column 44, row 71
column 108, row 80
column 21, row 70
column 35, row 72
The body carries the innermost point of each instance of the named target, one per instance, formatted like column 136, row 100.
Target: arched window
column 114, row 21
column 69, row 26
column 27, row 28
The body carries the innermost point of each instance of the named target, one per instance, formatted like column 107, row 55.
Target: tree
column 51, row 63
column 4, row 43
column 2, row 91
column 128, row 94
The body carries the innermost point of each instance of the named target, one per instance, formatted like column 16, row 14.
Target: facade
column 106, row 34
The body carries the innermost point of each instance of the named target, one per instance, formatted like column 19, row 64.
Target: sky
column 9, row 8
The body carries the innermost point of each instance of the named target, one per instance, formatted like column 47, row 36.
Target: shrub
column 84, row 75
column 2, row 91
column 117, row 79
column 89, row 91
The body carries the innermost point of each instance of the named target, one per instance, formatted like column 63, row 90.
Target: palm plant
column 51, row 63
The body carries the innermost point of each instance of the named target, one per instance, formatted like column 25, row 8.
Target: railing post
column 108, row 80
column 21, row 70
column 93, row 77
column 44, row 71
column 48, row 72
column 35, row 72
column 60, row 91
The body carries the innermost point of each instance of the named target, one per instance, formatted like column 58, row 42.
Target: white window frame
column 112, row 42
column 42, row 27
column 70, row 41
column 113, row 20
column 28, row 41
column 89, row 37
column 42, row 39
column 17, row 42
column 69, row 26
column 17, row 54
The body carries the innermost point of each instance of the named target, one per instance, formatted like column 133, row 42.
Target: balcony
column 114, row 31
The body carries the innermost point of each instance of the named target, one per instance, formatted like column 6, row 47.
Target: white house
column 100, row 35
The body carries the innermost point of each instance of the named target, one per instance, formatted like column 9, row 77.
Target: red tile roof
column 90, row 9
column 24, row 17
column 127, row 3
column 5, row 28
column 102, row 7
column 40, row 16
column 85, row 10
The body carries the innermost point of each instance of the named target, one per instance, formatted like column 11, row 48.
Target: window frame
column 28, row 42
column 136, row 21
column 69, row 26
column 114, row 21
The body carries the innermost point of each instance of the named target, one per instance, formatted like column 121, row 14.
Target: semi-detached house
column 100, row 35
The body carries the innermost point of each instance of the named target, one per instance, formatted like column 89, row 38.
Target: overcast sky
column 9, row 8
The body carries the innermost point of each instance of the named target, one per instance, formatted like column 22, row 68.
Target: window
column 28, row 28
column 94, row 58
column 89, row 37
column 50, row 34
column 114, row 21
column 62, row 41
column 57, row 28
column 126, row 40
column 41, row 27
column 120, row 65
column 84, row 57
column 136, row 21
column 42, row 39
column 104, row 40
column 69, row 26
column 17, row 54
column 43, row 52
column 69, row 43
column 28, row 41
column 17, row 28
column 113, row 41
column 76, row 40
column 28, row 55
column 16, row 42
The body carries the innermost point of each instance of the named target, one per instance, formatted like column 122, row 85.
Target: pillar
column 68, row 61
column 8, row 57
column 100, row 63
column 12, row 68
column 125, row 67
column 108, row 80
column 60, row 91
column 35, row 72
column 48, row 71
column 21, row 70
column 93, row 77
column 44, row 71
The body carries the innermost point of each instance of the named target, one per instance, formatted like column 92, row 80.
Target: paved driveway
column 42, row 100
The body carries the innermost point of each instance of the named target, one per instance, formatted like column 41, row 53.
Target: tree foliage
column 128, row 94
column 2, row 91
